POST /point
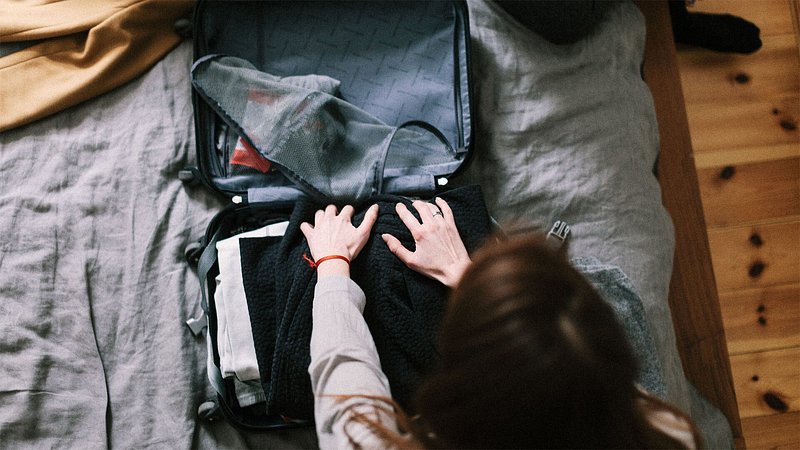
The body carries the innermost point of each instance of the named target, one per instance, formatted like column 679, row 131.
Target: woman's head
column 531, row 356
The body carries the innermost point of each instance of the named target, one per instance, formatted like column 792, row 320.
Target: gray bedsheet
column 94, row 289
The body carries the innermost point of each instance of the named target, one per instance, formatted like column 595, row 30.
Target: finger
column 369, row 219
column 436, row 213
column 424, row 210
column 330, row 210
column 446, row 211
column 408, row 219
column 402, row 253
column 347, row 213
column 318, row 217
column 307, row 229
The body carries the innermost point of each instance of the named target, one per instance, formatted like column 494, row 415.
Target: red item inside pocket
column 245, row 155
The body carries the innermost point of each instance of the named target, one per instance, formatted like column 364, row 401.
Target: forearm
column 344, row 360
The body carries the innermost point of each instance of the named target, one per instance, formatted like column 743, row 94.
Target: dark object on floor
column 718, row 32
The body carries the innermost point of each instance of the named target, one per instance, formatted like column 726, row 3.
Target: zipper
column 457, row 29
column 207, row 159
column 460, row 8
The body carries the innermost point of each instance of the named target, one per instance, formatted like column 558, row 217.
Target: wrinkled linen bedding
column 94, row 288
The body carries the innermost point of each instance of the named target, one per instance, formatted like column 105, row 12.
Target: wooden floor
column 743, row 115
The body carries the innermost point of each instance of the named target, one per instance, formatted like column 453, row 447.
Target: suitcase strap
column 197, row 325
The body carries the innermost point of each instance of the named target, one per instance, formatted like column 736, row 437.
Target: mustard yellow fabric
column 89, row 47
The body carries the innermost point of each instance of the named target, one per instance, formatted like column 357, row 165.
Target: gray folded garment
column 616, row 289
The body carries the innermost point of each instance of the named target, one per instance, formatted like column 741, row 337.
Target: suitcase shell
column 403, row 62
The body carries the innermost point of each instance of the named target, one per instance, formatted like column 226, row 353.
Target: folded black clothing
column 262, row 303
column 403, row 309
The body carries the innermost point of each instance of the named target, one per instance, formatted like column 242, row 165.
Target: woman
column 531, row 356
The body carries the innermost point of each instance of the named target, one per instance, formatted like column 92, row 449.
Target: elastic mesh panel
column 325, row 144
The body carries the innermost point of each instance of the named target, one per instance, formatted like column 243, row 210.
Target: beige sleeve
column 345, row 362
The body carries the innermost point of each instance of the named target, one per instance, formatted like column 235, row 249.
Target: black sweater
column 403, row 310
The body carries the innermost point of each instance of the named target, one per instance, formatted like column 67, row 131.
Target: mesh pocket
column 331, row 148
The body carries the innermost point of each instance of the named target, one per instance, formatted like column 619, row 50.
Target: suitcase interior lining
column 398, row 68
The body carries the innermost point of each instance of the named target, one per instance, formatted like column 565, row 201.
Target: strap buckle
column 558, row 233
column 197, row 324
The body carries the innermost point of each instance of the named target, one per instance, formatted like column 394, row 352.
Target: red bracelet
column 314, row 265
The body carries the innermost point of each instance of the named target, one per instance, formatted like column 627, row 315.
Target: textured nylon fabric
column 399, row 63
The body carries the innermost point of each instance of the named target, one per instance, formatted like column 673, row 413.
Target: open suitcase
column 386, row 115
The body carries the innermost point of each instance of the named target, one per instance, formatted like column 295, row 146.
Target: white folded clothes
column 237, row 354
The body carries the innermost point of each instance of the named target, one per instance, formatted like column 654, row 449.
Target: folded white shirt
column 237, row 353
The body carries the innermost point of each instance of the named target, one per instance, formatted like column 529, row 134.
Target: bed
column 94, row 221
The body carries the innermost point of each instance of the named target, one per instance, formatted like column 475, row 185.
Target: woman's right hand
column 334, row 234
column 440, row 252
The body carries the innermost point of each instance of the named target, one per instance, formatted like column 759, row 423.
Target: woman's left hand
column 334, row 234
column 440, row 252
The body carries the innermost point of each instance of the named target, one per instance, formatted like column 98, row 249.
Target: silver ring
column 438, row 213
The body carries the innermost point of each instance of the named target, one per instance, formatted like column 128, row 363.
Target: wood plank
column 761, row 319
column 795, row 7
column 773, row 432
column 756, row 256
column 767, row 383
column 746, row 193
column 769, row 73
column 722, row 136
column 746, row 155
column 771, row 16
column 724, row 126
column 692, row 293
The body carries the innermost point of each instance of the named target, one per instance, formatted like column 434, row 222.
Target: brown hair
column 531, row 356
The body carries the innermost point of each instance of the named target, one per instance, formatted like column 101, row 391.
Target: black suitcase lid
column 403, row 63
